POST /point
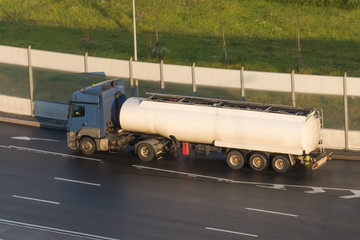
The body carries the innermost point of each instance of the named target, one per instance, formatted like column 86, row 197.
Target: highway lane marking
column 5, row 146
column 233, row 232
column 272, row 212
column 48, row 152
column 316, row 190
column 54, row 230
column 36, row 139
column 36, row 199
column 274, row 186
column 355, row 193
column 76, row 181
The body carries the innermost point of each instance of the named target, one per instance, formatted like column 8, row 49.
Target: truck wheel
column 87, row 146
column 280, row 163
column 145, row 152
column 258, row 161
column 235, row 160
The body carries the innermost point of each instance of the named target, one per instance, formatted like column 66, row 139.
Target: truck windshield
column 77, row 111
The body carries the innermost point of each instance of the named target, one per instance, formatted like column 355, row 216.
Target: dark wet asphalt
column 47, row 193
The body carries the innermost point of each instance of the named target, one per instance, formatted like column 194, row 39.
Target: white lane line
column 36, row 139
column 35, row 199
column 274, row 186
column 189, row 174
column 233, row 232
column 315, row 190
column 272, row 212
column 356, row 193
column 55, row 230
column 76, row 181
column 48, row 152
column 2, row 146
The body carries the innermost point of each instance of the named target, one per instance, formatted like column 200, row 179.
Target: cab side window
column 77, row 111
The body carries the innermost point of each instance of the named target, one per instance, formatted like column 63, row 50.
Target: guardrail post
column 293, row 88
column 242, row 79
column 346, row 113
column 162, row 83
column 193, row 80
column 31, row 79
column 131, row 77
column 86, row 69
column 137, row 87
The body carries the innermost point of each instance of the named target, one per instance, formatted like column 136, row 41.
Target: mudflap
column 321, row 160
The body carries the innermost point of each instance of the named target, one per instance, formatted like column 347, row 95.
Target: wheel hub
column 280, row 164
column 145, row 152
column 235, row 161
column 257, row 162
column 87, row 146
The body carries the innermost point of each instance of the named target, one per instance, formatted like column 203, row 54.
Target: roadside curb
column 20, row 121
column 345, row 154
column 33, row 121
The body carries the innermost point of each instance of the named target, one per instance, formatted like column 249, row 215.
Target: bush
column 345, row 4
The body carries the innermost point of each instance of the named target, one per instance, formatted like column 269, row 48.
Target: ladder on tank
column 222, row 103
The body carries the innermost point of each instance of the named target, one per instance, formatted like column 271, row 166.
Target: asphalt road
column 48, row 191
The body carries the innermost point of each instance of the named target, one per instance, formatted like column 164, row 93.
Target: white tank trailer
column 259, row 134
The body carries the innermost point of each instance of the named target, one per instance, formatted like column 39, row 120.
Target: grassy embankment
column 260, row 35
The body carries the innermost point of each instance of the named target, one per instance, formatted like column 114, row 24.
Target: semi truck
column 101, row 118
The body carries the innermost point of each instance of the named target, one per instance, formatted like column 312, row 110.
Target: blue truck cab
column 94, row 114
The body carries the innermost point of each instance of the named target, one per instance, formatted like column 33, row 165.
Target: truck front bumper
column 72, row 140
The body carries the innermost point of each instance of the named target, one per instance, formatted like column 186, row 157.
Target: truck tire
column 280, row 163
column 235, row 159
column 145, row 152
column 87, row 145
column 258, row 161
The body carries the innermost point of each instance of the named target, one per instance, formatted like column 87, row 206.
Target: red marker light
column 185, row 148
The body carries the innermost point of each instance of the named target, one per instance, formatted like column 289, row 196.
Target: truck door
column 83, row 115
column 77, row 117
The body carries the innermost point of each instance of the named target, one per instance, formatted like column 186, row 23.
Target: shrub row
column 344, row 4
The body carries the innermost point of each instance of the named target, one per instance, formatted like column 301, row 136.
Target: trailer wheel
column 258, row 161
column 280, row 163
column 145, row 152
column 235, row 160
column 87, row 145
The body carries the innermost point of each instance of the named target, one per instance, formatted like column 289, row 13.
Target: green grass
column 260, row 34
column 14, row 81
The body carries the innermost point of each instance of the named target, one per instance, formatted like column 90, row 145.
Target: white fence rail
column 15, row 105
column 51, row 110
column 226, row 78
column 22, row 106
column 167, row 73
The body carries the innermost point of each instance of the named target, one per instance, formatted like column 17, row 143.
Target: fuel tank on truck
column 223, row 126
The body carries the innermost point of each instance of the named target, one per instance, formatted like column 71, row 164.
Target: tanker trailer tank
column 284, row 133
column 223, row 127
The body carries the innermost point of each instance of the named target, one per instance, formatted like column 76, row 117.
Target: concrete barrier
column 50, row 110
column 22, row 106
column 15, row 105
